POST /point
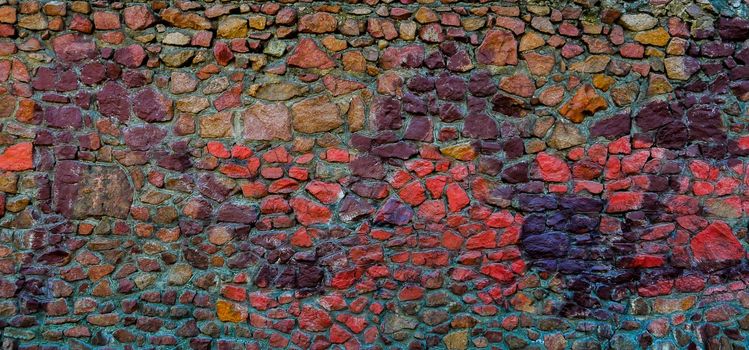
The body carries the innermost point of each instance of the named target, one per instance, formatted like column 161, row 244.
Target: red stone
column 486, row 239
column 310, row 213
column 552, row 169
column 17, row 157
column 413, row 193
column 624, row 201
column 326, row 193
column 222, row 53
column 313, row 319
column 497, row 271
column 308, row 55
column 457, row 198
column 716, row 246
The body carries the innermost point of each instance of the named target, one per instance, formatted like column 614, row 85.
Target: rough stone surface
column 432, row 174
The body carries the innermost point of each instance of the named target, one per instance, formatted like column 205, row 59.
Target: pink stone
column 138, row 17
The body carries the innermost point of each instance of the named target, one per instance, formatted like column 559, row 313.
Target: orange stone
column 585, row 102
column 230, row 312
column 18, row 157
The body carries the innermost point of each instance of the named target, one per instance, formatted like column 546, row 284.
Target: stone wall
column 374, row 174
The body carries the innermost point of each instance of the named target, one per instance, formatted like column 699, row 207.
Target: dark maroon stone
column 517, row 173
column 135, row 78
column 64, row 117
column 481, row 84
column 514, row 147
column 242, row 214
column 459, row 61
column 367, row 167
column 716, row 49
column 653, row 116
column 113, row 101
column 142, row 138
column 705, row 123
column 93, row 73
column 612, row 127
column 734, row 28
column 401, row 150
column 450, row 87
column 151, row 106
column 450, row 112
column 421, row 83
column 414, row 104
column 353, row 208
column 674, row 135
column 67, row 80
column 509, row 106
column 212, row 187
column 387, row 113
column 435, row 60
column 177, row 161
column 480, row 126
column 44, row 80
column 420, row 129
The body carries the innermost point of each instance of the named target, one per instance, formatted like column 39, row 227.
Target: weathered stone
column 138, row 17
column 81, row 191
column 716, row 247
column 267, row 122
column 585, row 102
column 318, row 23
column 681, row 68
column 315, row 115
column 499, row 48
column 151, row 106
column 130, row 56
column 142, row 138
column 232, row 27
column 592, row 64
column 187, row 20
column 73, row 47
column 565, row 136
column 308, row 55
column 638, row 21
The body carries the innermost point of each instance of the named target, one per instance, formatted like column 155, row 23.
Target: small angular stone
column 585, row 102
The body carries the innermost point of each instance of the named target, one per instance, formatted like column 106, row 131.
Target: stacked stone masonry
column 374, row 174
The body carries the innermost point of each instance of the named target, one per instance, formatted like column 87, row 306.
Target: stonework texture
column 374, row 174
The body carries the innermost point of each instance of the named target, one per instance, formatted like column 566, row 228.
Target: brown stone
column 232, row 27
column 499, row 48
column 585, row 102
column 81, row 191
column 267, row 122
column 315, row 114
column 518, row 84
column 318, row 23
column 185, row 20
